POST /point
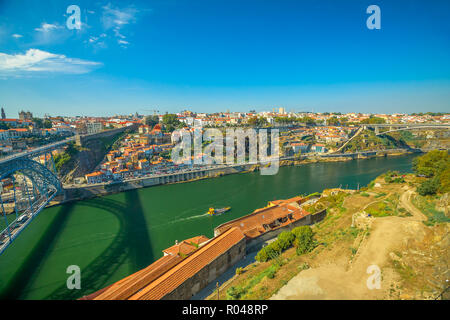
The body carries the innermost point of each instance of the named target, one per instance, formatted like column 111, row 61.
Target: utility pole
column 217, row 286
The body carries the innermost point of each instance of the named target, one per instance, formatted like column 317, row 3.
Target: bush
column 234, row 293
column 445, row 181
column 262, row 255
column 269, row 252
column 239, row 271
column 285, row 239
column 271, row 274
column 428, row 187
column 432, row 163
column 304, row 239
column 365, row 194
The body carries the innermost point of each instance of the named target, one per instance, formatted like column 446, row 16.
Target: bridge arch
column 41, row 177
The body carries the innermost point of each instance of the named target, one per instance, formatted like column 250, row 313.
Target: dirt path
column 339, row 280
column 405, row 200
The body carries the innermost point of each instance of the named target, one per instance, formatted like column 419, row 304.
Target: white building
column 94, row 127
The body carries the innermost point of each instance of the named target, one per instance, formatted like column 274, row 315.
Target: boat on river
column 215, row 212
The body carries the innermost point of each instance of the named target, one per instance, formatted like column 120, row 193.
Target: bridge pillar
column 377, row 130
column 79, row 140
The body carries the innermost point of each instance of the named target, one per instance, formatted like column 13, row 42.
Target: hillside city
column 145, row 151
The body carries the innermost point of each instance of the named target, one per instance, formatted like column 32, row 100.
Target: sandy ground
column 344, row 280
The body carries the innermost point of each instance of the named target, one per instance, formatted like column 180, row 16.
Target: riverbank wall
column 96, row 190
column 75, row 193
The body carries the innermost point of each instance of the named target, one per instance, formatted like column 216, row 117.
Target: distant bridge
column 404, row 126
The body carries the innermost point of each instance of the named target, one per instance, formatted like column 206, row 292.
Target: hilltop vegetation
column 435, row 167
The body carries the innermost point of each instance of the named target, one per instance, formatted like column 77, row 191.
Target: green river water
column 113, row 236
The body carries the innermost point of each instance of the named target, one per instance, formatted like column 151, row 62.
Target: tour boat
column 214, row 212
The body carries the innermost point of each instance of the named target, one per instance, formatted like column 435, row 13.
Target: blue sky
column 211, row 55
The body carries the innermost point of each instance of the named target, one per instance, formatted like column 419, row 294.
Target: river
column 113, row 236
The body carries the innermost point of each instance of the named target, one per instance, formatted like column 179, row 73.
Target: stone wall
column 89, row 191
column 255, row 244
column 81, row 140
column 209, row 273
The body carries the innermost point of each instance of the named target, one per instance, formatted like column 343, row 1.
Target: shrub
column 365, row 194
column 271, row 274
column 304, row 239
column 239, row 271
column 432, row 163
column 428, row 187
column 274, row 248
column 268, row 252
column 262, row 255
column 285, row 239
column 445, row 181
column 234, row 293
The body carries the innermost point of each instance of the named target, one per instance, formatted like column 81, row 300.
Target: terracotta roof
column 94, row 174
column 189, row 266
column 258, row 222
column 128, row 286
column 186, row 247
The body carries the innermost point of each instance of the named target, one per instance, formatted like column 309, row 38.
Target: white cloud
column 116, row 19
column 47, row 27
column 49, row 33
column 36, row 61
column 15, row 35
column 113, row 17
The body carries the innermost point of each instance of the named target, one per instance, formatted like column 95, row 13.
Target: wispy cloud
column 38, row 62
column 48, row 27
column 17, row 36
column 49, row 33
column 116, row 19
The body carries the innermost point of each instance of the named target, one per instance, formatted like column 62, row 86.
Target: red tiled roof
column 186, row 247
column 128, row 286
column 189, row 266
column 253, row 225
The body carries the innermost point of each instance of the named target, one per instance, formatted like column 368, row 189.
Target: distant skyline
column 237, row 55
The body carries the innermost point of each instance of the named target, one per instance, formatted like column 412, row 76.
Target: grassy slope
column 339, row 241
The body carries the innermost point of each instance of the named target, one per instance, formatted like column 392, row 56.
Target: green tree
column 151, row 120
column 333, row 121
column 307, row 120
column 304, row 239
column 444, row 178
column 257, row 121
column 428, row 187
column 47, row 124
column 171, row 122
column 373, row 120
column 285, row 239
column 38, row 123
column 431, row 164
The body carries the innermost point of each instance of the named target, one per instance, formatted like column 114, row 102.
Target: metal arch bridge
column 34, row 185
column 400, row 127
